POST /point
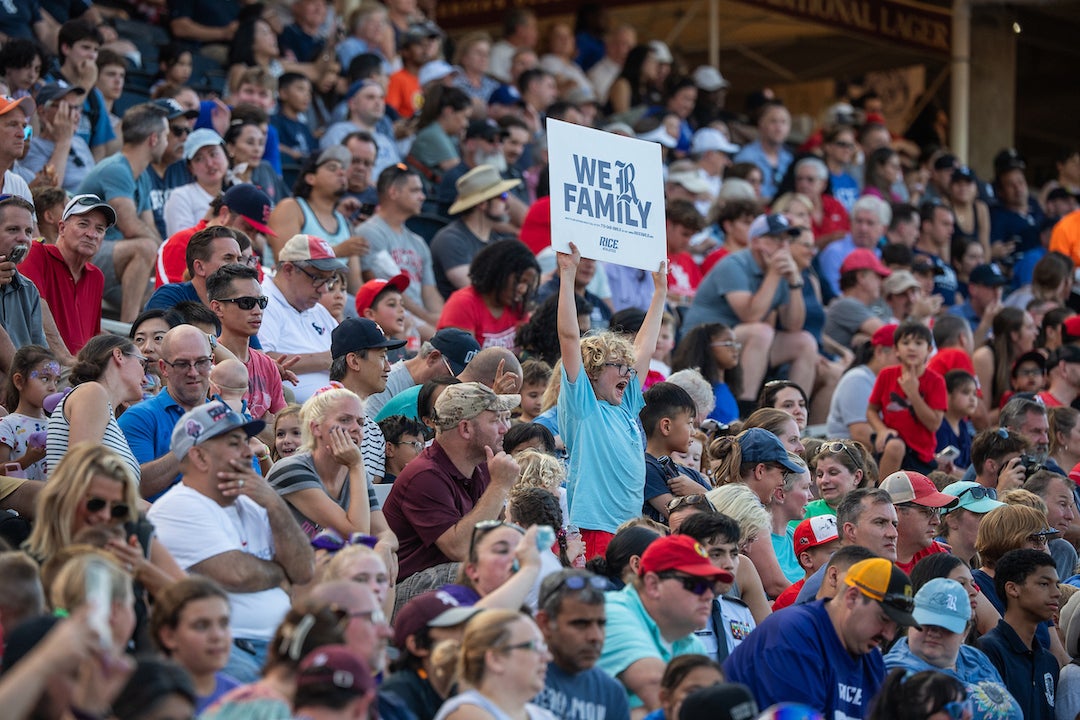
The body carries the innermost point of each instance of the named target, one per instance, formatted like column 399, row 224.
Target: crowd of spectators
column 304, row 415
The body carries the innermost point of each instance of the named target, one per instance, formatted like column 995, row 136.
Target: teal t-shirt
column 606, row 480
column 633, row 635
column 784, row 547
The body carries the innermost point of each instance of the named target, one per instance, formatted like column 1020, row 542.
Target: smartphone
column 948, row 454
column 18, row 254
column 99, row 598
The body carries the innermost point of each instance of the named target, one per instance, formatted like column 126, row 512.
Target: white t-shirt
column 194, row 528
column 185, row 207
column 287, row 330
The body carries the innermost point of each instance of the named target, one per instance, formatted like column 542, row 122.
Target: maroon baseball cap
column 252, row 204
column 681, row 553
column 335, row 666
column 436, row 608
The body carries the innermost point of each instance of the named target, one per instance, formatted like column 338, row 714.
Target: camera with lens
column 1031, row 464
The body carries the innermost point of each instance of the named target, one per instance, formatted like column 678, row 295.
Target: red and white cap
column 815, row 531
column 311, row 250
column 908, row 486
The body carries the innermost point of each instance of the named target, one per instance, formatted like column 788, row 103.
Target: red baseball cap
column 908, row 486
column 371, row 289
column 815, row 531
column 684, row 554
column 883, row 336
column 863, row 259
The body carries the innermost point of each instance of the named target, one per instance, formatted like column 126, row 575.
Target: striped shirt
column 59, row 432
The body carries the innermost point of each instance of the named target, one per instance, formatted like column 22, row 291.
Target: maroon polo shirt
column 428, row 498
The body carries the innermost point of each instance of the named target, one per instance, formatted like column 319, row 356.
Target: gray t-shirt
column 297, row 472
column 408, row 250
column 452, row 246
column 844, row 317
column 738, row 271
column 849, row 401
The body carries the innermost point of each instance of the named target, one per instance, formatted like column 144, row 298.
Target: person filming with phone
column 20, row 301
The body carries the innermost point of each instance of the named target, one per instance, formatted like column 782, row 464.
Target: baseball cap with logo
column 174, row 109
column 82, row 204
column 681, row 553
column 311, row 250
column 465, row 401
column 989, row 275
column 944, row 603
column 863, row 259
column 774, row 224
column 908, row 486
column 458, row 346
column 880, row 580
column 815, row 531
column 435, row 608
column 335, row 667
column 355, row 334
column 761, row 446
column 370, row 290
column 207, row 422
column 973, row 497
column 250, row 203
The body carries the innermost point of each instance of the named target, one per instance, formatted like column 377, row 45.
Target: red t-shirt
column 172, row 256
column 264, row 385
column 684, row 275
column 896, row 411
column 935, row 547
column 465, row 309
column 712, row 258
column 789, row 595
column 834, row 218
column 1049, row 400
column 75, row 306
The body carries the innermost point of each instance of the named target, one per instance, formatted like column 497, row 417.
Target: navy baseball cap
column 457, row 346
column 761, row 446
column 356, row 334
column 174, row 109
column 52, row 91
column 506, row 95
column 989, row 275
column 774, row 224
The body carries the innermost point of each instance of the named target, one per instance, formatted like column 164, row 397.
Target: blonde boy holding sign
column 598, row 409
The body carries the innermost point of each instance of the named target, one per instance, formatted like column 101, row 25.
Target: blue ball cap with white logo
column 206, row 422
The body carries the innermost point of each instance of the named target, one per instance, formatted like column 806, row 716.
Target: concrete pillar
column 992, row 110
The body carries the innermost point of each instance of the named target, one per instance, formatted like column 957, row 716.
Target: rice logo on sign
column 602, row 195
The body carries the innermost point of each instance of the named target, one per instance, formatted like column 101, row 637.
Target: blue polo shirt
column 1030, row 673
column 148, row 427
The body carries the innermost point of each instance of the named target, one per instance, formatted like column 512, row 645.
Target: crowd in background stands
column 822, row 462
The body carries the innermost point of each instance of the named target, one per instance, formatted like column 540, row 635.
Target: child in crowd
column 814, row 541
column 598, row 408
column 49, row 208
column 294, row 100
column 1028, row 375
column 956, row 429
column 381, row 301
column 696, row 457
column 1027, row 582
column 535, row 375
column 287, row 438
column 660, row 363
column 175, row 64
column 713, row 350
column 668, row 421
column 335, row 300
column 229, row 381
column 33, row 375
column 404, row 441
column 907, row 405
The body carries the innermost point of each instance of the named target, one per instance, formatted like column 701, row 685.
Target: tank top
column 312, row 226
column 472, row 697
column 60, row 428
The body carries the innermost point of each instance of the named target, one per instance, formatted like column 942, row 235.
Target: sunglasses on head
column 978, row 493
column 575, row 583
column 689, row 501
column 247, row 302
column 117, row 511
column 836, row 447
column 485, row 526
column 329, row 540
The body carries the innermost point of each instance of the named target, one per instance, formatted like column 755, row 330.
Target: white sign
column 607, row 196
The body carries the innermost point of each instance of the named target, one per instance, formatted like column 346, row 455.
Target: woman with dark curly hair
column 538, row 337
column 503, row 278
column 712, row 350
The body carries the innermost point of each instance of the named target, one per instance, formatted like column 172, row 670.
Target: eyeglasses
column 844, row 144
column 484, row 527
column 449, row 369
column 1030, row 372
column 414, row 444
column 688, row 501
column 727, row 344
column 623, row 369
column 319, row 283
column 179, row 131
column 144, row 360
column 694, row 585
column 201, row 365
column 958, row 709
column 117, row 511
column 247, row 302
column 839, row 446
column 537, row 646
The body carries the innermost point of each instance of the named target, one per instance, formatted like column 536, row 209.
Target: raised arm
column 569, row 330
column 454, row 542
column 645, row 342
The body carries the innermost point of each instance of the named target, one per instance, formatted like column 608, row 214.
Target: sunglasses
column 928, row 512
column 693, row 585
column 688, row 501
column 575, row 583
column 484, row 527
column 117, row 511
column 179, row 131
column 247, row 302
column 144, row 360
column 837, row 447
column 978, row 493
column 331, row 541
